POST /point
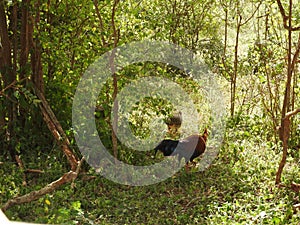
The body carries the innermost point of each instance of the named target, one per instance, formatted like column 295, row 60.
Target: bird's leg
column 187, row 168
column 155, row 153
column 179, row 160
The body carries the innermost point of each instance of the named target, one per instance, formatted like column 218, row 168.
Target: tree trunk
column 24, row 38
column 285, row 137
column 285, row 122
column 8, row 76
column 36, row 56
column 284, row 131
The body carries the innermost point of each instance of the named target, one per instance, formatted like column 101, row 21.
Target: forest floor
column 238, row 188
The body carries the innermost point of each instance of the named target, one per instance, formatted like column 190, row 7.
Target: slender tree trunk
column 284, row 132
column 234, row 74
column 225, row 36
column 224, row 61
column 115, row 83
column 235, row 67
column 287, row 93
column 286, row 124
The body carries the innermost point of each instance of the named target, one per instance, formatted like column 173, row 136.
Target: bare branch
column 292, row 113
column 250, row 17
column 104, row 42
column 77, row 172
column 11, row 85
column 295, row 187
column 285, row 18
column 296, row 55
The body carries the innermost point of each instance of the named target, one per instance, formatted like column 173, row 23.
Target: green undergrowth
column 238, row 188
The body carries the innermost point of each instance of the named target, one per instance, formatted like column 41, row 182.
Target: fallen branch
column 77, row 172
column 34, row 171
column 295, row 187
column 192, row 201
column 34, row 195
column 296, row 206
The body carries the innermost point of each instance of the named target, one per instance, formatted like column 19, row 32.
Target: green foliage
column 145, row 112
column 28, row 121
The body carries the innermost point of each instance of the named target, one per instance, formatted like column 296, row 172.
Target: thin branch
column 116, row 32
column 192, row 201
column 295, row 187
column 282, row 11
column 296, row 207
column 34, row 171
column 11, row 85
column 296, row 55
column 104, row 42
column 289, row 114
column 285, row 18
column 77, row 172
column 250, row 17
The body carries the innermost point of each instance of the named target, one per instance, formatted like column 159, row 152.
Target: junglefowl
column 188, row 148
